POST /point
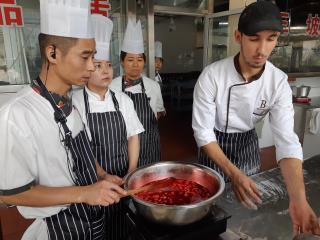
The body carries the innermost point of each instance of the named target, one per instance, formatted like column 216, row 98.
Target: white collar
column 96, row 96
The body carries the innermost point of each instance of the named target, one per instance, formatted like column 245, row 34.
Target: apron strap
column 86, row 101
column 123, row 87
column 59, row 115
column 142, row 86
column 115, row 101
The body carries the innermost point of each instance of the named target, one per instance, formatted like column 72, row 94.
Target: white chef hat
column 133, row 38
column 66, row 18
column 102, row 28
column 158, row 49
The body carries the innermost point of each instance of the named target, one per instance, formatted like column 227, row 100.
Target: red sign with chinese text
column 101, row 7
column 285, row 22
column 8, row 1
column 313, row 23
column 10, row 13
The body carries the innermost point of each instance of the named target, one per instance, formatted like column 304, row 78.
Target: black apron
column 77, row 221
column 110, row 147
column 150, row 138
column 241, row 148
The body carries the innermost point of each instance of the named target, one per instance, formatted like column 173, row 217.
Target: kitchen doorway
column 182, row 50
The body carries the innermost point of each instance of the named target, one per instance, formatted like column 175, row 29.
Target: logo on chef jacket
column 10, row 13
column 263, row 104
column 262, row 109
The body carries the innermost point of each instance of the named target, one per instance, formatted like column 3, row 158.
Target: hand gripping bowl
column 175, row 214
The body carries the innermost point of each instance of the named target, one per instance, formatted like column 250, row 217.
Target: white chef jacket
column 31, row 150
column 153, row 91
column 133, row 124
column 249, row 103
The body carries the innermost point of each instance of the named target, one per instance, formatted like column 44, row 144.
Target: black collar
column 237, row 66
column 63, row 102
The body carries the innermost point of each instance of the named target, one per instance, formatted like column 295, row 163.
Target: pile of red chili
column 180, row 192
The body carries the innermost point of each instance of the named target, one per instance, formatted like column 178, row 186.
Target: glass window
column 13, row 70
column 298, row 56
column 20, row 58
column 299, row 51
column 30, row 32
column 19, row 51
column 296, row 52
column 221, row 40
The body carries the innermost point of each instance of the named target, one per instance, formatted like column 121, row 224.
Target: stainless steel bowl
column 176, row 214
column 302, row 91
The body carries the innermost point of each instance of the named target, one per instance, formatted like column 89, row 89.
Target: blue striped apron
column 242, row 148
column 78, row 221
column 110, row 146
column 150, row 138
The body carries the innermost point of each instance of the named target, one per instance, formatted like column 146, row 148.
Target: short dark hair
column 62, row 43
column 124, row 54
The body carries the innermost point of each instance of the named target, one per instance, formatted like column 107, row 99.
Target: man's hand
column 245, row 190
column 105, row 176
column 114, row 179
column 303, row 218
column 102, row 193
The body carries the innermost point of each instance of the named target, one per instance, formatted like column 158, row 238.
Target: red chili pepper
column 180, row 192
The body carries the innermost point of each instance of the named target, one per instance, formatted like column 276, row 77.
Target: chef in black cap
column 232, row 95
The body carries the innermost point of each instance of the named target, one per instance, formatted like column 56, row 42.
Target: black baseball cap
column 260, row 16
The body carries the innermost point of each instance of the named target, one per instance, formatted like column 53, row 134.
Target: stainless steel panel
column 150, row 24
column 178, row 11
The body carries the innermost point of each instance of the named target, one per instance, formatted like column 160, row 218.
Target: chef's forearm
column 133, row 151
column 291, row 169
column 41, row 196
column 216, row 154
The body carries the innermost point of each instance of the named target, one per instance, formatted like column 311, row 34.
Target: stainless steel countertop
column 307, row 106
column 271, row 221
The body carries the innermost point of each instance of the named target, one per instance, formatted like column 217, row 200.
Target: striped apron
column 110, row 147
column 78, row 221
column 150, row 138
column 241, row 148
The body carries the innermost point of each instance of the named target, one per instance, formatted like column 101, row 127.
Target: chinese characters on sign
column 101, row 7
column 10, row 13
column 285, row 22
column 313, row 25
